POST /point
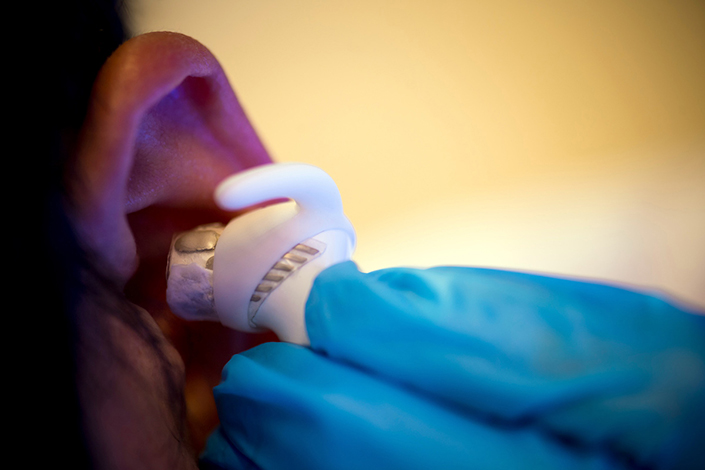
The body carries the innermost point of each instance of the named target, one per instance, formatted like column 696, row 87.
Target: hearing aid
column 255, row 273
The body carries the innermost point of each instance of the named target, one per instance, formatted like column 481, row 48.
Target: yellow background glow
column 549, row 136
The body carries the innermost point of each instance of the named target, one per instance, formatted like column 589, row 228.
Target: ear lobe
column 163, row 127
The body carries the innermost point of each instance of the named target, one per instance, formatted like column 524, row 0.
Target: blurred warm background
column 549, row 136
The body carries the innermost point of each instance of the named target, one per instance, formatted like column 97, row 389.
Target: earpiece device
column 255, row 273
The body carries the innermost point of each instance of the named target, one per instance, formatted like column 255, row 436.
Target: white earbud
column 256, row 273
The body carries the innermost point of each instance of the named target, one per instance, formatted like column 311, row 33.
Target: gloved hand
column 469, row 368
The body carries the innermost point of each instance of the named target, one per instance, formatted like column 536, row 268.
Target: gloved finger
column 597, row 364
column 284, row 406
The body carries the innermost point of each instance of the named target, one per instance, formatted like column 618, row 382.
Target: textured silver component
column 189, row 273
column 202, row 240
column 306, row 249
column 284, row 266
column 295, row 258
column 292, row 260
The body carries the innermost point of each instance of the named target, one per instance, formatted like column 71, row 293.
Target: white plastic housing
column 252, row 244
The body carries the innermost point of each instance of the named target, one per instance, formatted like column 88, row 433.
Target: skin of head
column 163, row 128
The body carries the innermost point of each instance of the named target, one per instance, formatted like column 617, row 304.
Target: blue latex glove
column 469, row 368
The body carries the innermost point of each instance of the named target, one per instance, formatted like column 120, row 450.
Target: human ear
column 164, row 127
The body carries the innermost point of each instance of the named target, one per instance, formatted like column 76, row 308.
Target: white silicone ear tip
column 254, row 244
column 311, row 188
